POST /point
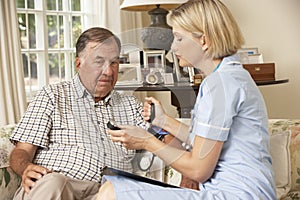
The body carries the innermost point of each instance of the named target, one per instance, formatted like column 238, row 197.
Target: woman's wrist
column 161, row 121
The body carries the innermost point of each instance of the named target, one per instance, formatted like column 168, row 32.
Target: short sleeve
column 36, row 123
column 218, row 102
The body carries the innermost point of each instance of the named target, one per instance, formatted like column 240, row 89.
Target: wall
column 274, row 27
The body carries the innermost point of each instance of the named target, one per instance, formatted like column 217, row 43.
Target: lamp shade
column 146, row 5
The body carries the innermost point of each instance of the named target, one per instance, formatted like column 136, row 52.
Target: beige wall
column 274, row 27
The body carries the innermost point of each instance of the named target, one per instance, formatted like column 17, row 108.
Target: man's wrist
column 148, row 142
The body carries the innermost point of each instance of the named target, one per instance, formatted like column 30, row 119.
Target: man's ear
column 77, row 63
column 203, row 42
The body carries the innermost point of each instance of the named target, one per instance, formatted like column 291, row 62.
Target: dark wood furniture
column 183, row 95
column 272, row 82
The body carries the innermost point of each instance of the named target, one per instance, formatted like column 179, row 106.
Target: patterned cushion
column 5, row 145
column 278, row 126
column 9, row 181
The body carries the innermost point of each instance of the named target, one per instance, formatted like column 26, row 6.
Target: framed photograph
column 255, row 58
column 154, row 59
column 249, row 51
column 129, row 74
column 191, row 74
column 168, row 78
column 181, row 74
column 248, row 55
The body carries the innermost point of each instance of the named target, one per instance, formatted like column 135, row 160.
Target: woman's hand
column 131, row 137
column 160, row 115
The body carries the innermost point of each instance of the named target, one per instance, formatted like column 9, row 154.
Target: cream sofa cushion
column 279, row 149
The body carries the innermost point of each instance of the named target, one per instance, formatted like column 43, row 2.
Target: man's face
column 98, row 67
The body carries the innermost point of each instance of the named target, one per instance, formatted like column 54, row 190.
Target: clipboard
column 115, row 172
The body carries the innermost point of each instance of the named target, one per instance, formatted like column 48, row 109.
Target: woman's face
column 187, row 48
column 98, row 67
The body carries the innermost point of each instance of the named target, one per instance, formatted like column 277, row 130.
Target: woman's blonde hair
column 213, row 19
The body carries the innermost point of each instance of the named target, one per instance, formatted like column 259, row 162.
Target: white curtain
column 106, row 13
column 12, row 90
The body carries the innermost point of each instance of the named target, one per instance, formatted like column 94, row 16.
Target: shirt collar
column 81, row 91
column 229, row 60
column 233, row 59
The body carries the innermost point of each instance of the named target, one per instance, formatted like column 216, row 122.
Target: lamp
column 159, row 34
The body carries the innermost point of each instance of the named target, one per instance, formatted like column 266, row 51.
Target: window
column 48, row 32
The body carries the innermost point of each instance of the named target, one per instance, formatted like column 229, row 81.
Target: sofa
column 284, row 147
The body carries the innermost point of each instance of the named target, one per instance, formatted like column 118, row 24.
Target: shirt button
column 102, row 138
column 105, row 154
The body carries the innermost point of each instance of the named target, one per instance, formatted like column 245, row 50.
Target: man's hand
column 131, row 137
column 31, row 174
column 189, row 183
column 21, row 162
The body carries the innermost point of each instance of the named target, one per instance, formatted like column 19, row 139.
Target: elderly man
column 62, row 141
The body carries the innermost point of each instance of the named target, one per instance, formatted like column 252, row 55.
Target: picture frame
column 129, row 74
column 249, row 51
column 168, row 78
column 255, row 58
column 154, row 59
column 248, row 55
column 178, row 71
column 191, row 74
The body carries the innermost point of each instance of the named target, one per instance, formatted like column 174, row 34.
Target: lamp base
column 157, row 38
column 159, row 34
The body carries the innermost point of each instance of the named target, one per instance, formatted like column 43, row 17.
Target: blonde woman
column 228, row 141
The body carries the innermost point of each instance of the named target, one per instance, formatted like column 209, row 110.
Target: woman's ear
column 77, row 63
column 203, row 42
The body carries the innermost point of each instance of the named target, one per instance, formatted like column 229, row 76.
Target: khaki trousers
column 55, row 186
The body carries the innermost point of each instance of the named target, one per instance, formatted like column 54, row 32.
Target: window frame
column 42, row 49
